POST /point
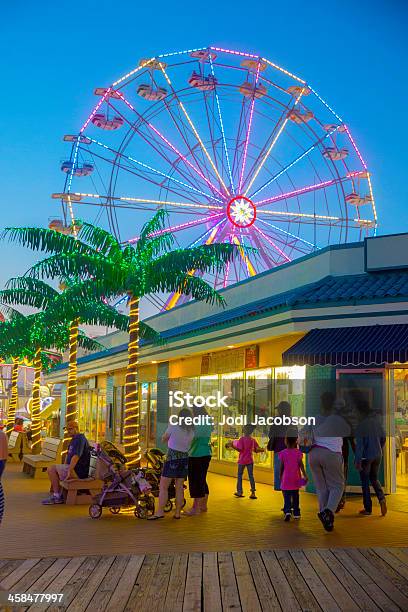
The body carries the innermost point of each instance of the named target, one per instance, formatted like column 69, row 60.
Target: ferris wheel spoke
column 222, row 126
column 213, row 231
column 293, row 162
column 275, row 139
column 196, row 134
column 272, row 243
column 283, row 215
column 182, row 226
column 267, row 256
column 183, row 136
column 157, row 145
column 287, row 240
column 248, row 265
column 169, row 144
column 308, row 188
column 287, row 233
column 141, row 164
column 248, row 131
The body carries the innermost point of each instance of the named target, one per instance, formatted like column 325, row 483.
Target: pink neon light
column 101, row 101
column 272, row 243
column 355, row 147
column 171, row 145
column 249, row 130
column 307, row 189
column 235, row 52
column 176, row 228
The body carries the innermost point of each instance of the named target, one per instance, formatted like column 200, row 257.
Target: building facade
column 336, row 320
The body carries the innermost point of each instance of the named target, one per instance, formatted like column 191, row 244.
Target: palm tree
column 11, row 351
column 109, row 268
column 68, row 307
column 36, row 339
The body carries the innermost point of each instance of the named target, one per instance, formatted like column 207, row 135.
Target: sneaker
column 383, row 506
column 365, row 513
column 287, row 517
column 253, row 496
column 296, row 516
column 53, row 499
column 327, row 519
column 239, row 495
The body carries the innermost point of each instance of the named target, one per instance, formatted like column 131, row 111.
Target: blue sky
column 55, row 54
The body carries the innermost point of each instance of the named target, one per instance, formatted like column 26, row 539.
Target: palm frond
column 22, row 297
column 98, row 313
column 149, row 334
column 67, row 265
column 46, row 240
column 155, row 224
column 187, row 284
column 205, row 258
column 101, row 240
column 89, row 344
column 34, row 286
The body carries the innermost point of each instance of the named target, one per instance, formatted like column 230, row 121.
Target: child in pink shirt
column 292, row 469
column 246, row 445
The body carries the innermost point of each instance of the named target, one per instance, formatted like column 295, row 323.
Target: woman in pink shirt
column 246, row 445
column 292, row 469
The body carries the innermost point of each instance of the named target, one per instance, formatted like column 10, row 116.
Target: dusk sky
column 354, row 53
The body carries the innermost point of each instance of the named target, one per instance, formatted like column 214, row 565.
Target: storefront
column 242, row 351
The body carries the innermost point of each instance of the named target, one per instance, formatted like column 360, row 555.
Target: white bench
column 81, row 490
column 36, row 465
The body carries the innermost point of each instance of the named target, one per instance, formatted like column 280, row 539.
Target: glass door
column 398, row 402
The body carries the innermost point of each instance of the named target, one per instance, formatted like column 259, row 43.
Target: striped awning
column 354, row 346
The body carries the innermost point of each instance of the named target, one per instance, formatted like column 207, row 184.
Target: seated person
column 18, row 425
column 76, row 464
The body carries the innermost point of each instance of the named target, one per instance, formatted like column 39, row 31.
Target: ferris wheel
column 234, row 147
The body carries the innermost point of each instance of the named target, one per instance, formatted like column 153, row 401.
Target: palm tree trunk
column 11, row 416
column 36, row 405
column 131, row 437
column 71, row 410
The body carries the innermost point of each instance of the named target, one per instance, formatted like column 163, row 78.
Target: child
column 246, row 445
column 291, row 470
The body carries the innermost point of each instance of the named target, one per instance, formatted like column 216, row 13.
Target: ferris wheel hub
column 241, row 211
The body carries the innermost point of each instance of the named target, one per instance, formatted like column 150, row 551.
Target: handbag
column 306, row 439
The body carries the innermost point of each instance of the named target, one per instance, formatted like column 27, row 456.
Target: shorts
column 176, row 464
column 62, row 471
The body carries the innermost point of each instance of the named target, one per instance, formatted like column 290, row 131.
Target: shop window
column 209, row 385
column 232, row 386
column 399, row 407
column 258, row 394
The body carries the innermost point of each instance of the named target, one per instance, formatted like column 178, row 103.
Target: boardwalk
column 231, row 524
column 348, row 579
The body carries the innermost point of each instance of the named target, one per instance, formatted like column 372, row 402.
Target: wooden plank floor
column 332, row 580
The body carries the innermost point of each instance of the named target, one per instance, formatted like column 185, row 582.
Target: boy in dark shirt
column 76, row 464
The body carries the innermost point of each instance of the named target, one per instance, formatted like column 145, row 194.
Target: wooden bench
column 82, row 490
column 17, row 445
column 36, row 465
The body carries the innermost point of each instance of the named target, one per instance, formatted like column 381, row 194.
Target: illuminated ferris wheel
column 235, row 149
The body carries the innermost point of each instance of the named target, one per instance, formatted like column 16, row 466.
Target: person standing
column 292, row 470
column 246, row 445
column 370, row 441
column 3, row 459
column 199, row 462
column 178, row 438
column 277, row 436
column 326, row 459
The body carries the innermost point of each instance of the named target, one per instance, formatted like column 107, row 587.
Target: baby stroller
column 154, row 465
column 123, row 488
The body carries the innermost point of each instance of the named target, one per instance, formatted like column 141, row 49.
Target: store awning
column 344, row 346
